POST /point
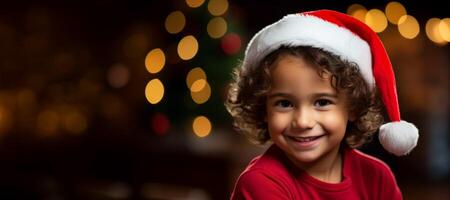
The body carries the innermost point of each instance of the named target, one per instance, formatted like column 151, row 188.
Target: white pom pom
column 398, row 138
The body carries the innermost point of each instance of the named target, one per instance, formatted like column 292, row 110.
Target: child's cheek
column 335, row 122
column 278, row 122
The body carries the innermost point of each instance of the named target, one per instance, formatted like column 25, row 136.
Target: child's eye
column 322, row 103
column 283, row 104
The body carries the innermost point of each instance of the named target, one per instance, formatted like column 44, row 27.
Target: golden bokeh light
column 394, row 10
column 198, row 85
column 408, row 27
column 201, row 126
column 353, row 8
column 154, row 91
column 118, row 76
column 360, row 14
column 217, row 7
column 155, row 60
column 432, row 31
column 187, row 47
column 194, row 3
column 74, row 121
column 203, row 95
column 194, row 75
column 376, row 20
column 175, row 22
column 217, row 27
column 444, row 29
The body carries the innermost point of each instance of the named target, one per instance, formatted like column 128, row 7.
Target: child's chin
column 305, row 157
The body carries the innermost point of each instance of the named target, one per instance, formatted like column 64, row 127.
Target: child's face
column 306, row 117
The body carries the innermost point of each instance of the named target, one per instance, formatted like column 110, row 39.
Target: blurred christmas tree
column 194, row 66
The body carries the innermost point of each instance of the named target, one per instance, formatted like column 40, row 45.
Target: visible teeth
column 305, row 139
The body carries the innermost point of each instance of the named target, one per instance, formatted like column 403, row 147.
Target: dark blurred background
column 124, row 99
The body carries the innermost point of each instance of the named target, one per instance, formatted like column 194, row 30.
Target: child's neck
column 327, row 169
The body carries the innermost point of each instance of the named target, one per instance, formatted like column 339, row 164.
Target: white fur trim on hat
column 307, row 30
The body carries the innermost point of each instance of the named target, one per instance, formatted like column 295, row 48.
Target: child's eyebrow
column 325, row 94
column 279, row 94
column 315, row 95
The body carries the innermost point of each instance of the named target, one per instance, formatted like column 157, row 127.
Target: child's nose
column 303, row 119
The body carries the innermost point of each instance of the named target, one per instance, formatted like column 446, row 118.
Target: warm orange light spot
column 201, row 126
column 154, row 91
column 187, row 47
column 155, row 60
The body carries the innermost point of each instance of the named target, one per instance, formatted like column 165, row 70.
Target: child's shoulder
column 266, row 171
column 270, row 165
column 371, row 173
column 366, row 159
column 367, row 164
column 270, row 161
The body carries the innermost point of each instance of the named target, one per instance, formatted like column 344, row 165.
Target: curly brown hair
column 246, row 101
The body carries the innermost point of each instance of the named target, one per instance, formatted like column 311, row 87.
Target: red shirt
column 273, row 176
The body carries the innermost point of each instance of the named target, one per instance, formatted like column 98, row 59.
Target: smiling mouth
column 305, row 139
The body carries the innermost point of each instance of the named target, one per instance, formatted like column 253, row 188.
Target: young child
column 310, row 84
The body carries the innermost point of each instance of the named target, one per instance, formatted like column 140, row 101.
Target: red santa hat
column 351, row 40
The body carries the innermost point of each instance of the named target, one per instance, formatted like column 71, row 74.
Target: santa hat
column 351, row 40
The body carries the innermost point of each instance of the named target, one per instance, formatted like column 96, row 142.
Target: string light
column 217, row 7
column 154, row 91
column 203, row 95
column 444, row 29
column 187, row 47
column 432, row 31
column 198, row 85
column 155, row 61
column 436, row 30
column 353, row 8
column 376, row 20
column 194, row 3
column 201, row 126
column 217, row 27
column 357, row 11
column 408, row 26
column 194, row 75
column 394, row 10
column 175, row 22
